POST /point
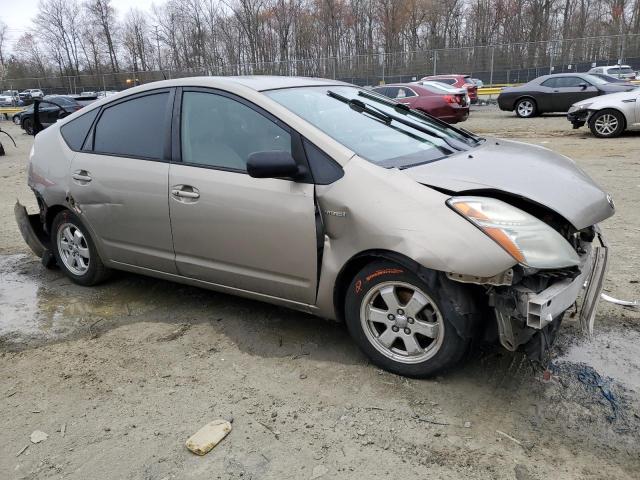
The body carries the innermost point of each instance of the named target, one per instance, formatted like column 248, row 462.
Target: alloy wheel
column 525, row 108
column 606, row 124
column 73, row 249
column 402, row 322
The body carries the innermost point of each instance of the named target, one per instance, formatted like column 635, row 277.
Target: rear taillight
column 454, row 99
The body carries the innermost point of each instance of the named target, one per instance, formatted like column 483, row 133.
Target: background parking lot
column 120, row 375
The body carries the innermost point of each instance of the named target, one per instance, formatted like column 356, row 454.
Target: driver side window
column 220, row 132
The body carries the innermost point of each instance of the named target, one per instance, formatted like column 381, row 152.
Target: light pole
column 158, row 45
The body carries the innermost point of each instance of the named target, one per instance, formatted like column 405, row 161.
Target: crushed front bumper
column 578, row 118
column 522, row 311
column 543, row 307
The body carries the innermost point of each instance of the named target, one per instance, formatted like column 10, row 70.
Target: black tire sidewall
column 453, row 347
column 616, row 133
column 94, row 272
column 27, row 125
column 533, row 102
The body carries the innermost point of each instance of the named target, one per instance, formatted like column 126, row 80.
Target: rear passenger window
column 75, row 131
column 134, row 128
column 551, row 83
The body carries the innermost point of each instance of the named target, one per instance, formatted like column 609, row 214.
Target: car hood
column 616, row 87
column 522, row 170
column 611, row 97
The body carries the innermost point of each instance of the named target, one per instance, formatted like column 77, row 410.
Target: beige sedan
column 326, row 198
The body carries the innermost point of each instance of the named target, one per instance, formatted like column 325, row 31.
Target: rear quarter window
column 75, row 131
column 133, row 128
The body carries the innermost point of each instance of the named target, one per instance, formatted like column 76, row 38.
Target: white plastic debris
column 38, row 436
column 624, row 303
column 203, row 441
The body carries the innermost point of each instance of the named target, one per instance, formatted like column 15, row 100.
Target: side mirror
column 272, row 164
column 583, row 85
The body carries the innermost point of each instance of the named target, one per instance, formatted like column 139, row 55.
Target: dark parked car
column 446, row 103
column 555, row 93
column 459, row 81
column 51, row 109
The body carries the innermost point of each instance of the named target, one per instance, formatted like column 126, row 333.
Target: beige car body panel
column 268, row 251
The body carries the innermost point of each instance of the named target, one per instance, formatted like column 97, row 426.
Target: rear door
column 230, row 229
column 120, row 179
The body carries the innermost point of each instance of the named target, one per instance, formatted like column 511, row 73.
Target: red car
column 443, row 102
column 460, row 81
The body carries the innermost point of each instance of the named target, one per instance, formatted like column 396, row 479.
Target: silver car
column 608, row 115
column 329, row 199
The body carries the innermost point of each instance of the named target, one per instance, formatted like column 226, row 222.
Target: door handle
column 185, row 191
column 81, row 176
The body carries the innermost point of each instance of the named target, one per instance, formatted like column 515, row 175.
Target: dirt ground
column 120, row 375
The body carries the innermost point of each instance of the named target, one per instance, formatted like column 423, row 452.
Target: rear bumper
column 31, row 229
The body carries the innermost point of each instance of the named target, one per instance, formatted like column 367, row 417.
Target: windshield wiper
column 386, row 118
column 361, row 107
column 407, row 110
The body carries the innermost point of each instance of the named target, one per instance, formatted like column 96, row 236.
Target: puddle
column 40, row 303
column 612, row 353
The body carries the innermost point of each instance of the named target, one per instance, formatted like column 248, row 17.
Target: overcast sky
column 18, row 13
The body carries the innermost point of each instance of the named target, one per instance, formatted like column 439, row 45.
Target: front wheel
column 526, row 108
column 607, row 124
column 74, row 250
column 403, row 324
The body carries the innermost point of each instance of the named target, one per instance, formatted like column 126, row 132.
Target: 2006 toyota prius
column 327, row 198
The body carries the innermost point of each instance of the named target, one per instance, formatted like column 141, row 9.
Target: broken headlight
column 528, row 240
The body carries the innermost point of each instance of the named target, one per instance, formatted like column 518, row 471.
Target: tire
column 16, row 120
column 526, row 108
column 74, row 250
column 27, row 126
column 415, row 347
column 607, row 124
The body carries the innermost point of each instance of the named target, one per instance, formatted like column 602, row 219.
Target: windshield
column 616, row 70
column 595, row 80
column 438, row 87
column 369, row 125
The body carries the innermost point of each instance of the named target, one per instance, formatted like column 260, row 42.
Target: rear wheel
column 607, row 123
column 27, row 125
column 74, row 250
column 403, row 324
column 526, row 108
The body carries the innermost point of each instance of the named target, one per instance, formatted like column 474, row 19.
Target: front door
column 570, row 90
column 231, row 229
column 120, row 179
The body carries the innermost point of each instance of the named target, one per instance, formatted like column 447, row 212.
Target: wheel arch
column 611, row 109
column 527, row 96
column 465, row 297
column 356, row 263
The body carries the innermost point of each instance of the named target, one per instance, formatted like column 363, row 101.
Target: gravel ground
column 120, row 375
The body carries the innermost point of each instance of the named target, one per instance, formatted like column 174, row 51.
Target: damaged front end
column 529, row 303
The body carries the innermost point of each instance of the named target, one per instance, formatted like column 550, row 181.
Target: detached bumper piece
column 34, row 236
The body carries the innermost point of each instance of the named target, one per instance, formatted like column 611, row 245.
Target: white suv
column 618, row 71
column 31, row 93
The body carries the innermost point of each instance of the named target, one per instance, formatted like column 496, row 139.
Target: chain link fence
column 493, row 64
